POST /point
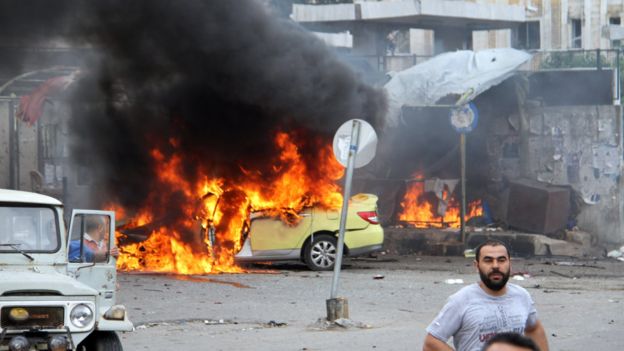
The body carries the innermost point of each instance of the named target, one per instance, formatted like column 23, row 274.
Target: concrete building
column 564, row 24
column 398, row 33
column 35, row 155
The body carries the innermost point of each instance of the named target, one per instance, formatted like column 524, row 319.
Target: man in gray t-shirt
column 479, row 311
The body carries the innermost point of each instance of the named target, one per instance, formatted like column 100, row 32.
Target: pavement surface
column 391, row 301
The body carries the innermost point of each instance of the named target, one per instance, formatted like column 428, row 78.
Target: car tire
column 102, row 341
column 320, row 254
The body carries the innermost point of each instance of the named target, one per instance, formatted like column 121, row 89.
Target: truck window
column 31, row 229
column 89, row 239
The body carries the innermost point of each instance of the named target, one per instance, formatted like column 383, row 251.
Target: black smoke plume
column 213, row 80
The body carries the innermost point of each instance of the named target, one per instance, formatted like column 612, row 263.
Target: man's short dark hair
column 490, row 242
column 514, row 339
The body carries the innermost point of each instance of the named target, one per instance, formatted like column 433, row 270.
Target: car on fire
column 47, row 300
column 314, row 238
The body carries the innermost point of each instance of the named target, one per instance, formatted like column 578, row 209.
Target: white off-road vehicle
column 56, row 292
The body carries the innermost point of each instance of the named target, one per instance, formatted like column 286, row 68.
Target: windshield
column 28, row 229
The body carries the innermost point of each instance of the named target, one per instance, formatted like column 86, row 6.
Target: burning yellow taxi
column 313, row 239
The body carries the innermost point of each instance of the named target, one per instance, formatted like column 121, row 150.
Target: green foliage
column 572, row 59
column 585, row 59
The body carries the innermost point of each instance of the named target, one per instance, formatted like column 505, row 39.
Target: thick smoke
column 215, row 79
column 25, row 26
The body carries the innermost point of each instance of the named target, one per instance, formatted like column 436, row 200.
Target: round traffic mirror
column 365, row 147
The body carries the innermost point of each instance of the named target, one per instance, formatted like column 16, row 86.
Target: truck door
column 91, row 237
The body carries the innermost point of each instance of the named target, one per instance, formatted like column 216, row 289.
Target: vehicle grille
column 39, row 317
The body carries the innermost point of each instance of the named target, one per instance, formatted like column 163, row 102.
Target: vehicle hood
column 52, row 282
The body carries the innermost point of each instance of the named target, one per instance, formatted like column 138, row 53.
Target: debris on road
column 153, row 324
column 577, row 264
column 208, row 321
column 563, row 275
column 617, row 254
column 520, row 275
column 340, row 323
column 273, row 324
column 454, row 281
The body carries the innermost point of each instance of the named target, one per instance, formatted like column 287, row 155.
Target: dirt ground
column 391, row 301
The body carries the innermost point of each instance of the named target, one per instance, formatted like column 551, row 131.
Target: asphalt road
column 391, row 301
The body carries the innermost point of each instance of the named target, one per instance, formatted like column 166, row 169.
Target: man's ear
column 475, row 264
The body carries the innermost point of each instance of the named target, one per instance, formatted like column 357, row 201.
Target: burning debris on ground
column 418, row 208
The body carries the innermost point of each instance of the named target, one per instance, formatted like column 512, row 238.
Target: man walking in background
column 479, row 311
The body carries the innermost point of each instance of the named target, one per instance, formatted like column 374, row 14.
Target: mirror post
column 462, row 214
column 338, row 308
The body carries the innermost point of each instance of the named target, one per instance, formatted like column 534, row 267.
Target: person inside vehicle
column 94, row 243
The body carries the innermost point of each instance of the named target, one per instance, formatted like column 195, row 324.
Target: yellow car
column 314, row 239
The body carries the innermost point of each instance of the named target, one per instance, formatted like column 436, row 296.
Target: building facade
column 392, row 29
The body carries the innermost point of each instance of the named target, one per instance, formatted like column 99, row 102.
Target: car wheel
column 102, row 341
column 320, row 254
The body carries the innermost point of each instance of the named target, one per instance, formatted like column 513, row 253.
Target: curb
column 439, row 242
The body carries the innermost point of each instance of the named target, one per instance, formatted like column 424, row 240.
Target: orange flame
column 420, row 212
column 183, row 245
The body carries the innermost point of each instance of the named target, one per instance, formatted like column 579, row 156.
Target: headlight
column 19, row 343
column 81, row 315
column 57, row 343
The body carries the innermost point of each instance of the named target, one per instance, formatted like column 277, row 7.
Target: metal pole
column 618, row 72
column 598, row 63
column 12, row 147
column 462, row 215
column 353, row 147
column 65, row 195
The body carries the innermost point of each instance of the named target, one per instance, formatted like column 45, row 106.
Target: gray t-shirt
column 472, row 317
